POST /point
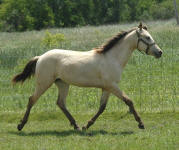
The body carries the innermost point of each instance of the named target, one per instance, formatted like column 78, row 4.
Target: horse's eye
column 148, row 37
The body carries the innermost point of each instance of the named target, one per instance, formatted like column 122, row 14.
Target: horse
column 100, row 68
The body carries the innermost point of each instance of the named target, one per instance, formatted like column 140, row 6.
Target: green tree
column 41, row 12
column 21, row 15
column 163, row 10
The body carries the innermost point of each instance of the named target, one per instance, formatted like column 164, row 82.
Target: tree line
column 22, row 15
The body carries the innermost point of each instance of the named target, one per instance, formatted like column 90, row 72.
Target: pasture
column 151, row 83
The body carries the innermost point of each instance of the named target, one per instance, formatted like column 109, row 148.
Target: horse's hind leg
column 103, row 102
column 40, row 89
column 61, row 102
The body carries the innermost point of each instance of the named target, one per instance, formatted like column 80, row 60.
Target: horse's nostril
column 160, row 52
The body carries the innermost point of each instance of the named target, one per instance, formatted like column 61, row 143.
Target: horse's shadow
column 71, row 132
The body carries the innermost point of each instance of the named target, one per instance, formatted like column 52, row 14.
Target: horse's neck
column 122, row 51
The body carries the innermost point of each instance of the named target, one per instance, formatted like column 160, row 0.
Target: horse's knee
column 102, row 107
column 32, row 101
column 128, row 102
column 60, row 103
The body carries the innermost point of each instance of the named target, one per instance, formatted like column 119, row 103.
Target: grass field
column 46, row 131
column 151, row 83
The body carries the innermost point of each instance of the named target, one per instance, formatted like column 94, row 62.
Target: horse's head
column 146, row 43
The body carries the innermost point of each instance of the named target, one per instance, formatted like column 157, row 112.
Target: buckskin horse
column 101, row 68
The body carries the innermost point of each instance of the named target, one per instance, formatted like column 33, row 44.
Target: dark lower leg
column 132, row 110
column 100, row 111
column 70, row 117
column 25, row 118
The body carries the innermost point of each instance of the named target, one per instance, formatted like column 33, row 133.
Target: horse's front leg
column 117, row 92
column 103, row 102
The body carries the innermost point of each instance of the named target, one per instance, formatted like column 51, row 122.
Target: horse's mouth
column 158, row 56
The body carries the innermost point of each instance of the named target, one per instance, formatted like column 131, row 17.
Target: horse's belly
column 83, row 82
column 88, row 77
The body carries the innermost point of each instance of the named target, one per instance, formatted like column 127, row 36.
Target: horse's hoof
column 77, row 129
column 19, row 127
column 84, row 128
column 141, row 126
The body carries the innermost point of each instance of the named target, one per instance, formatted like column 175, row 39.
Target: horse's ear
column 145, row 27
column 140, row 26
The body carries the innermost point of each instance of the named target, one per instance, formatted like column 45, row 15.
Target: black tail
column 28, row 71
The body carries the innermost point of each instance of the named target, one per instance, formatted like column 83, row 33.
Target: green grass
column 151, row 83
column 51, row 130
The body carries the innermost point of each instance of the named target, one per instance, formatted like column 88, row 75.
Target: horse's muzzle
column 158, row 54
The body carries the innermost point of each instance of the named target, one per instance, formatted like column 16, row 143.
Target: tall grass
column 151, row 83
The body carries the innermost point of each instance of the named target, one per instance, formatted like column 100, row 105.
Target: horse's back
column 73, row 67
